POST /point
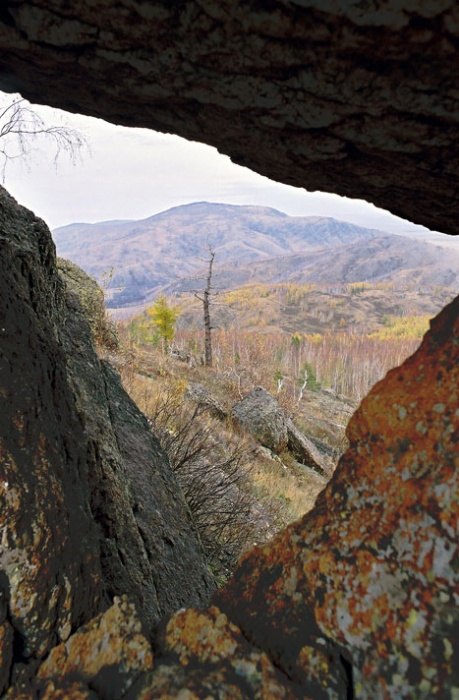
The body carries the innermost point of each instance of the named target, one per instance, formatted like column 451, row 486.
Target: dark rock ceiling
column 358, row 98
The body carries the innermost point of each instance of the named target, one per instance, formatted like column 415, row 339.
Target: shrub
column 308, row 374
column 213, row 475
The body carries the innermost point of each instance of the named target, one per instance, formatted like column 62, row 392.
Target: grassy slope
column 359, row 308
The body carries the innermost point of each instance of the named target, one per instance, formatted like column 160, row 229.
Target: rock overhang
column 321, row 95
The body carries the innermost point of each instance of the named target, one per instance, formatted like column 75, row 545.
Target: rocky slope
column 89, row 506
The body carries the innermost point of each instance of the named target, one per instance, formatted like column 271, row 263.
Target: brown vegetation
column 239, row 492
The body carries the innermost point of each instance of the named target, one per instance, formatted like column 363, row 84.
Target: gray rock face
column 201, row 396
column 305, row 452
column 260, row 414
column 355, row 98
column 88, row 505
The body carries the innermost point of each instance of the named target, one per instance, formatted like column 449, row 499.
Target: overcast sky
column 135, row 173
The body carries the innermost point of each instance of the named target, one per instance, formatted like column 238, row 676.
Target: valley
column 313, row 310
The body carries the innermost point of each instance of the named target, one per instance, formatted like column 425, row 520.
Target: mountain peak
column 212, row 208
column 168, row 251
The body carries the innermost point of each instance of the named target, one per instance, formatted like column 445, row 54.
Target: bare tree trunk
column 206, row 303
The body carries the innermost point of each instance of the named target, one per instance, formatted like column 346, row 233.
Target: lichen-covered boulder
column 102, row 659
column 108, row 653
column 372, row 571
column 92, row 302
column 50, row 565
column 208, row 657
column 89, row 507
column 260, row 414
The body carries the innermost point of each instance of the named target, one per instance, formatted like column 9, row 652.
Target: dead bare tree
column 205, row 295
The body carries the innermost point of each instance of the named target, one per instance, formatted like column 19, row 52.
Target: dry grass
column 286, row 494
column 267, row 491
column 293, row 494
column 263, row 493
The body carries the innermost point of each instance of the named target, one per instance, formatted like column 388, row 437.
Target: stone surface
column 89, row 507
column 372, row 570
column 91, row 298
column 203, row 398
column 211, row 658
column 356, row 98
column 259, row 413
column 6, row 654
column 107, row 654
column 305, row 452
column 149, row 545
column 51, row 690
column 50, row 574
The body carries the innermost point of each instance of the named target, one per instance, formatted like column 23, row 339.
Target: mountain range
column 136, row 260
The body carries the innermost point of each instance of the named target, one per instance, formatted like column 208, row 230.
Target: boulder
column 89, row 507
column 305, row 452
column 102, row 659
column 92, row 302
column 370, row 574
column 50, row 556
column 203, row 398
column 259, row 413
column 107, row 654
column 207, row 657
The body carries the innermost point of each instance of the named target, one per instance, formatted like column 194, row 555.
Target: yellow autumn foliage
column 405, row 327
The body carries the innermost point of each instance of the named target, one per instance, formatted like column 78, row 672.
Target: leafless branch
column 213, row 475
column 21, row 126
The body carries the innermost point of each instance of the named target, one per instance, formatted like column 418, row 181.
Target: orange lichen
column 374, row 566
column 112, row 641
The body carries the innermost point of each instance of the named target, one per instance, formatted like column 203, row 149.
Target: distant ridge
column 252, row 244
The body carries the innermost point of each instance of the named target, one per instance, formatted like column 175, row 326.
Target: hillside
column 252, row 244
column 387, row 257
column 357, row 308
